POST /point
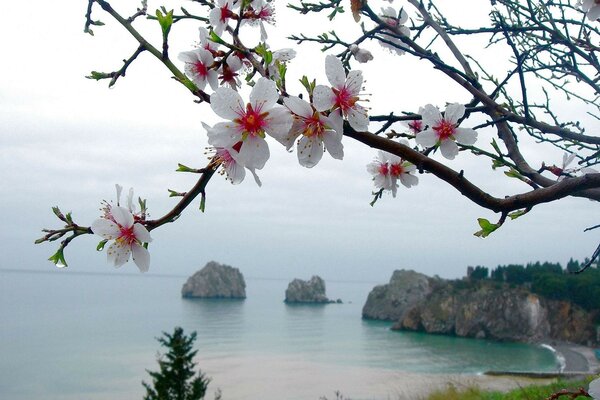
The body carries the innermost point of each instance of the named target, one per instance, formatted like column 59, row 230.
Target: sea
column 74, row 335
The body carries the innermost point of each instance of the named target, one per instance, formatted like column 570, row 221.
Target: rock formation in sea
column 311, row 291
column 215, row 281
column 389, row 302
column 480, row 310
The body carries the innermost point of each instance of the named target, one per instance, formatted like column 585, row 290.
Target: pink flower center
column 127, row 235
column 444, row 130
column 253, row 121
column 343, row 99
column 396, row 170
column 313, row 126
column 383, row 169
column 225, row 13
column 227, row 75
column 201, row 69
column 416, row 126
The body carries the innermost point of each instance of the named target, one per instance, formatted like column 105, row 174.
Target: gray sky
column 66, row 140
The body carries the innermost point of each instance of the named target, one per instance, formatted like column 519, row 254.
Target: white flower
column 119, row 225
column 592, row 8
column 342, row 97
column 249, row 123
column 361, row 55
column 317, row 133
column 444, row 131
column 228, row 73
column 220, row 15
column 388, row 168
column 205, row 42
column 394, row 21
column 280, row 57
column 261, row 11
column 197, row 67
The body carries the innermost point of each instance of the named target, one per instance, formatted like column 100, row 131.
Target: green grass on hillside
column 534, row 392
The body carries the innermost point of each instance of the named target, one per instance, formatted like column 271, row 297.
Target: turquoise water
column 66, row 335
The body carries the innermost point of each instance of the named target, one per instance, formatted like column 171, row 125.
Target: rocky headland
column 311, row 291
column 215, row 281
column 489, row 310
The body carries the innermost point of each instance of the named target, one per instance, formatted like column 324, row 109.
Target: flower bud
column 361, row 55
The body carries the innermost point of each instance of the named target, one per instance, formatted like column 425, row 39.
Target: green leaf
column 496, row 147
column 101, row 245
column 183, row 168
column 486, row 228
column 513, row 173
column 215, row 38
column 173, row 193
column 517, row 214
column 165, row 21
column 58, row 258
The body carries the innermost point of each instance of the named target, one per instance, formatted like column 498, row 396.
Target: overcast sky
column 66, row 140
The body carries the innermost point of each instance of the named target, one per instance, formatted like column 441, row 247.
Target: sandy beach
column 276, row 378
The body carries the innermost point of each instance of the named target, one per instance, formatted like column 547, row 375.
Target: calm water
column 66, row 335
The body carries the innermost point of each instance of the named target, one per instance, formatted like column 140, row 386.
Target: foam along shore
column 574, row 360
column 297, row 377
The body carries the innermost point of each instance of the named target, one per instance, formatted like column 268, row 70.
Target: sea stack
column 311, row 291
column 215, row 281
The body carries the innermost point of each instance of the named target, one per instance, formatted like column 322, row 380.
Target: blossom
column 205, row 42
column 388, row 168
column 226, row 157
column 342, row 97
column 119, row 224
column 361, row 55
column 444, row 131
column 220, row 15
column 228, row 72
column 395, row 23
column 592, row 8
column 198, row 67
column 261, row 11
column 317, row 133
column 249, row 123
column 280, row 57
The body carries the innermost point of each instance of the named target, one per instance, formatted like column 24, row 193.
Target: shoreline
column 574, row 360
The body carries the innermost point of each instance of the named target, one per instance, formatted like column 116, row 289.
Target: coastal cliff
column 215, row 281
column 480, row 310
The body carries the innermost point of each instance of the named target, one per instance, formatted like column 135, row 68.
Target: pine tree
column 177, row 378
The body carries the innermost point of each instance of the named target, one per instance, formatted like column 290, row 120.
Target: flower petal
column 454, row 112
column 431, row 115
column 449, row 149
column 408, row 180
column 466, row 136
column 278, row 122
column 310, row 151
column 106, row 228
column 264, row 95
column 427, row 138
column 254, row 153
column 323, row 98
column 141, row 257
column 235, row 172
column 122, row 216
column 227, row 103
column 118, row 253
column 358, row 118
column 223, row 134
column 298, row 106
column 354, row 82
column 141, row 233
column 333, row 144
column 335, row 71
